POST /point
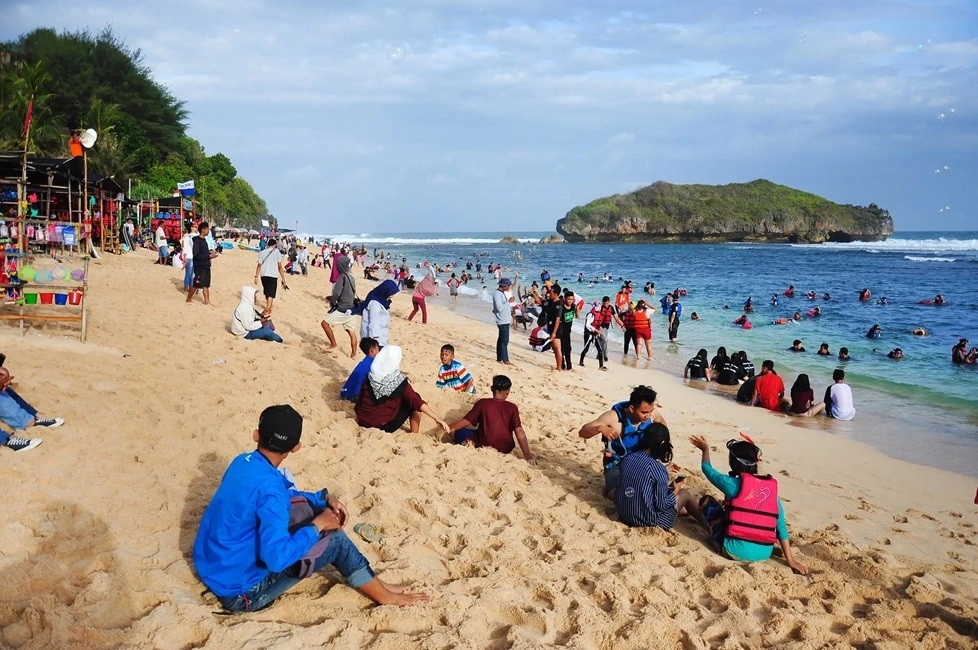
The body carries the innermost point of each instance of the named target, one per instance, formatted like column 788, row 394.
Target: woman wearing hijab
column 426, row 287
column 376, row 314
column 387, row 400
column 248, row 323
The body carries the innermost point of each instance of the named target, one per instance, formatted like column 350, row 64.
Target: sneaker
column 50, row 423
column 603, row 368
column 22, row 444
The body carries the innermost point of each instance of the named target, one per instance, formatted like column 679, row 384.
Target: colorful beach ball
column 59, row 273
column 27, row 273
column 78, row 275
column 43, row 276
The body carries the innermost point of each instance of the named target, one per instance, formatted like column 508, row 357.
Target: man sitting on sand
column 621, row 429
column 252, row 546
column 17, row 414
column 354, row 383
column 769, row 389
column 493, row 422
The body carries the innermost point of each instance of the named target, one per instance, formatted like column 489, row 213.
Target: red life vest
column 752, row 515
column 640, row 320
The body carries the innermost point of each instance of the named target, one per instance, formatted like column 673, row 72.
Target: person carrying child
column 452, row 373
column 751, row 519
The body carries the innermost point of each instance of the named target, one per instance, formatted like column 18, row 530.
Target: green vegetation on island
column 759, row 211
column 79, row 80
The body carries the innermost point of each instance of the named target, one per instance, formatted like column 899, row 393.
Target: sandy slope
column 100, row 519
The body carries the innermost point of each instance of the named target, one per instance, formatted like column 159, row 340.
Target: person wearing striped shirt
column 452, row 374
column 644, row 496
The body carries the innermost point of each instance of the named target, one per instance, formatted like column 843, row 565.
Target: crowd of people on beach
column 260, row 535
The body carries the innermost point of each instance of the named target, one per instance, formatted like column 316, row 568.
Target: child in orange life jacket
column 752, row 518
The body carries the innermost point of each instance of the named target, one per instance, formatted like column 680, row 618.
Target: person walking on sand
column 341, row 307
column 501, row 317
column 425, row 289
column 202, row 256
column 269, row 269
column 260, row 536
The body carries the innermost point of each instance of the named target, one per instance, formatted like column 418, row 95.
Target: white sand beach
column 100, row 519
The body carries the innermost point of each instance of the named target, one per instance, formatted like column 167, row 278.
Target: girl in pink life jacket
column 751, row 519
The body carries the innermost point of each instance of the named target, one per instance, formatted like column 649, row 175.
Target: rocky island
column 759, row 211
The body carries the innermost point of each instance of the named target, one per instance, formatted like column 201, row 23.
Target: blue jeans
column 341, row 553
column 188, row 274
column 263, row 334
column 15, row 412
column 502, row 343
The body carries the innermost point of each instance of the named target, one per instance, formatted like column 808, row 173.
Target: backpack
column 301, row 512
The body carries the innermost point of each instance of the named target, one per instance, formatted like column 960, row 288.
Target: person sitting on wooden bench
column 16, row 413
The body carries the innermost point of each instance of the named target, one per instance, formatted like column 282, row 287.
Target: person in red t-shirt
column 497, row 421
column 769, row 388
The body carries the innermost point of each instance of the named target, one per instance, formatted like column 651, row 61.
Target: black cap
column 279, row 428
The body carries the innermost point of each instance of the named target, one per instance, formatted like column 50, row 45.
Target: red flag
column 27, row 120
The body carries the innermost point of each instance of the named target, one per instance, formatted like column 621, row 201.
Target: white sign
column 264, row 223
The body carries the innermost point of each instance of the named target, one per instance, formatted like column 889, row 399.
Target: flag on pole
column 27, row 120
column 187, row 189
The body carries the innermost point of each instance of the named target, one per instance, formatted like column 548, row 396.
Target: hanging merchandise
column 69, row 235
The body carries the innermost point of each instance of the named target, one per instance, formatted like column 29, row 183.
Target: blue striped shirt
column 643, row 497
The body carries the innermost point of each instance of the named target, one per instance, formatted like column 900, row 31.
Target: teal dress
column 740, row 549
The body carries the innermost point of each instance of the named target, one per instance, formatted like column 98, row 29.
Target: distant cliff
column 759, row 211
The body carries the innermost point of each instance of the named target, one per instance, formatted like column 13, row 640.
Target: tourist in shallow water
column 838, row 398
column 697, row 368
column 803, row 398
column 874, row 332
column 823, row 350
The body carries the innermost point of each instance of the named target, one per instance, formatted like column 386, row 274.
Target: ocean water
column 921, row 408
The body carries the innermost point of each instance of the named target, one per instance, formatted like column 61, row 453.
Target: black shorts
column 269, row 286
column 398, row 421
column 202, row 278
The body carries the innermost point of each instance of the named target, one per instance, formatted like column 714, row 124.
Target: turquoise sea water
column 920, row 408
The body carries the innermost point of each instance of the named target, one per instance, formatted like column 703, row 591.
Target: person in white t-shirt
column 269, row 269
column 838, row 398
column 187, row 252
column 162, row 245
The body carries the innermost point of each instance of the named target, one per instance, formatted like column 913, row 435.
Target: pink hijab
column 427, row 286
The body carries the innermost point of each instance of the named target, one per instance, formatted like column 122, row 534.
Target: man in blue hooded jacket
column 247, row 550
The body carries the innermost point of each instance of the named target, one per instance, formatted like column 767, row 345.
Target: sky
column 482, row 115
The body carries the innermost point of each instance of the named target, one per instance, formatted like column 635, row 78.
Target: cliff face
column 759, row 211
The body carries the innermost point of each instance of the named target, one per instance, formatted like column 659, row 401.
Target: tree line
column 84, row 80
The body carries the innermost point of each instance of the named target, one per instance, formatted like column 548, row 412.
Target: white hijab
column 385, row 371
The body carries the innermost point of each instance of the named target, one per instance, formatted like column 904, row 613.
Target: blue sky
column 443, row 115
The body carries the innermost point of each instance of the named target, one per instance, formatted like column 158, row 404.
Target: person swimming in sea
column 790, row 291
column 694, row 316
column 810, row 295
column 938, row 300
column 796, row 317
column 823, row 350
column 895, row 353
column 865, row 294
column 882, row 301
column 814, row 312
column 826, row 296
column 774, row 300
column 796, row 346
column 874, row 332
column 920, row 331
column 844, row 354
column 749, row 304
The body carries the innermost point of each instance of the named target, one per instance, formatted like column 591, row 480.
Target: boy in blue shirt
column 351, row 389
column 249, row 552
